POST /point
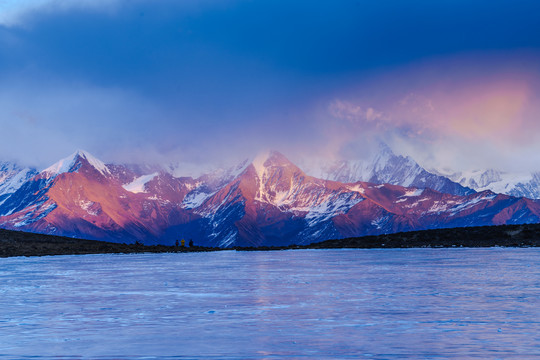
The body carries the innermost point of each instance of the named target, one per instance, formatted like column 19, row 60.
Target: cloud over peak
column 204, row 80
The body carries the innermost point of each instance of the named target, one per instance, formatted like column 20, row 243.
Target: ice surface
column 308, row 304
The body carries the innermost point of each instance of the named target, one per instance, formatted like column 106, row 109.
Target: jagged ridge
column 268, row 201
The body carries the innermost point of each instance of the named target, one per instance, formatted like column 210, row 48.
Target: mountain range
column 267, row 200
column 385, row 167
column 514, row 184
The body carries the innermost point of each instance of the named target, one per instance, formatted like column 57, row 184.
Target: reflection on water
column 378, row 304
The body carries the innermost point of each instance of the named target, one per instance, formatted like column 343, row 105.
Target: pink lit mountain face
column 268, row 201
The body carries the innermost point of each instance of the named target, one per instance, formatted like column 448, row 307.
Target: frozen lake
column 305, row 304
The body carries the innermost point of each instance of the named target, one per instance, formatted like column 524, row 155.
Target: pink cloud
column 454, row 111
column 489, row 110
column 355, row 114
column 493, row 111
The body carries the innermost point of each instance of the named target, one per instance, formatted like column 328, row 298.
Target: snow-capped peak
column 267, row 159
column 66, row 164
column 259, row 161
column 277, row 177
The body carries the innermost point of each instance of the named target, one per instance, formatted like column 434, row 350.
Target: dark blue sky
column 201, row 79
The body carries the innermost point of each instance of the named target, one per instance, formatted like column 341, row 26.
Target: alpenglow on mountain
column 265, row 201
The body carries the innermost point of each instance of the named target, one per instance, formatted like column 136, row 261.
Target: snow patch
column 416, row 203
column 195, row 199
column 439, row 206
column 469, row 204
column 139, row 184
column 408, row 194
column 87, row 206
column 380, row 222
column 357, row 188
column 327, row 208
column 27, row 219
column 413, row 192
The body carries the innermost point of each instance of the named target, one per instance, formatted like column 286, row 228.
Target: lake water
column 304, row 304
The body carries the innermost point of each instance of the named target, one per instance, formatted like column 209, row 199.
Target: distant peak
column 384, row 148
column 270, row 158
column 82, row 153
column 66, row 164
column 273, row 156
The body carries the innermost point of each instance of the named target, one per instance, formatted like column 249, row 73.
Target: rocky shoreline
column 17, row 243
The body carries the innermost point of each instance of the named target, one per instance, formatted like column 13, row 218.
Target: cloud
column 448, row 113
column 15, row 12
column 355, row 114
column 500, row 111
column 494, row 110
column 47, row 121
column 201, row 80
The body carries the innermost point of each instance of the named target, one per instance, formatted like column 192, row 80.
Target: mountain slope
column 79, row 196
column 272, row 200
column 12, row 177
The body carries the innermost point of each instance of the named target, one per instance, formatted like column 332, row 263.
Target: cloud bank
column 447, row 113
column 206, row 82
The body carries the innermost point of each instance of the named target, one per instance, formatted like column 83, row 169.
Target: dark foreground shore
column 527, row 235
column 17, row 243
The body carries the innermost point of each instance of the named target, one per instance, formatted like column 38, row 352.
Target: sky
column 455, row 84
